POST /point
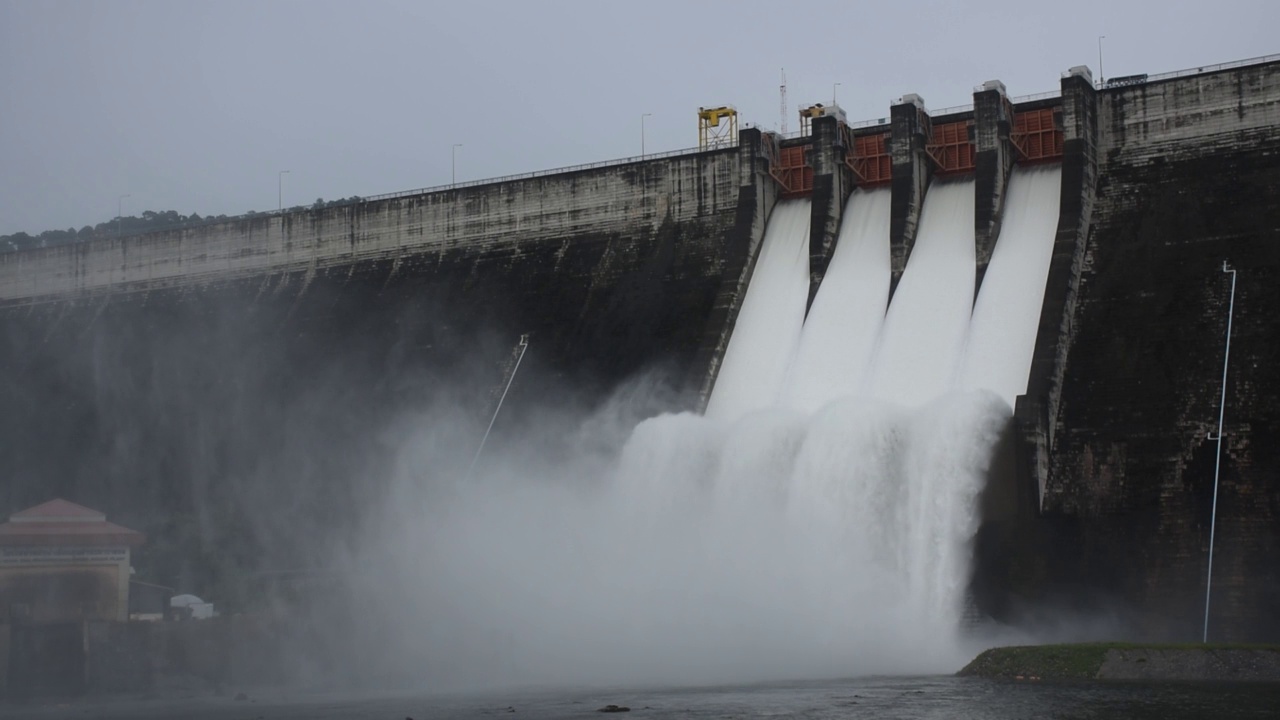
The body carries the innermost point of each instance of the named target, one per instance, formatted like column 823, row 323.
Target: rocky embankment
column 1122, row 661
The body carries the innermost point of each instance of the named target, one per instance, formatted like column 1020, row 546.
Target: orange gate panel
column 793, row 172
column 868, row 157
column 1036, row 135
column 951, row 149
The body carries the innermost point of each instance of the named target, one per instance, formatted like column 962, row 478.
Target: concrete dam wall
column 171, row 377
column 1187, row 177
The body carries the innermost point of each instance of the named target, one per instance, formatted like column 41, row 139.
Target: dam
column 1062, row 252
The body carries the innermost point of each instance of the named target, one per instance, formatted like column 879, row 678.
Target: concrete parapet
column 831, row 187
column 993, row 122
column 911, row 174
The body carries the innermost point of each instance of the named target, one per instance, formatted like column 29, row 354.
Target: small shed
column 63, row 562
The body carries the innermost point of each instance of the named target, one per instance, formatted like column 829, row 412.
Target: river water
column 908, row 698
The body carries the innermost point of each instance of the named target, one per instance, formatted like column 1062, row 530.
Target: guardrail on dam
column 622, row 268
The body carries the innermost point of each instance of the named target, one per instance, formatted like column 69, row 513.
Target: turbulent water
column 839, row 334
column 926, row 327
column 904, row 698
column 824, row 507
column 763, row 344
column 815, row 522
column 1007, row 314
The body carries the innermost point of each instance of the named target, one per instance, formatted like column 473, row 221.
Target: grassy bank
column 1102, row 661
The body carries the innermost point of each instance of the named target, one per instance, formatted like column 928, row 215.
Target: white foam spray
column 784, row 534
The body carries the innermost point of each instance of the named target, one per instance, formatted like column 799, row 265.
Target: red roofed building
column 62, row 562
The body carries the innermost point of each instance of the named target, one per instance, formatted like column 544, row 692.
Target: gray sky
column 195, row 106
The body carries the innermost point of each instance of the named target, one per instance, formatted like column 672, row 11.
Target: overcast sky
column 195, row 107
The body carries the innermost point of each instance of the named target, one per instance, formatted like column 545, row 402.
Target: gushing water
column 840, row 332
column 767, row 331
column 1006, row 316
column 816, row 522
column 924, row 331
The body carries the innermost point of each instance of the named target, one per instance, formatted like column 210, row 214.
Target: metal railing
column 1213, row 68
column 869, row 123
column 1199, row 70
column 404, row 193
column 1036, row 96
column 950, row 110
column 540, row 173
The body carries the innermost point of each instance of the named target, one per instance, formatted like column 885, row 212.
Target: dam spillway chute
column 840, row 331
column 768, row 327
column 1006, row 315
column 879, row 440
column 927, row 322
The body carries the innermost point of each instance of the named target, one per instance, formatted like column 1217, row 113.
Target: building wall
column 64, row 593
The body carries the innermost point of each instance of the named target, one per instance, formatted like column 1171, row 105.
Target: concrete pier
column 912, row 171
column 832, row 184
column 993, row 164
column 1035, row 411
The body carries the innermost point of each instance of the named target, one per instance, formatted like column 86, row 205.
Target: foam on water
column 1006, row 316
column 767, row 330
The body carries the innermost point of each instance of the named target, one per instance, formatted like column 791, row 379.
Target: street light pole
column 1217, row 465
column 833, row 92
column 120, row 212
column 642, row 117
column 453, row 176
column 280, row 191
column 1100, row 39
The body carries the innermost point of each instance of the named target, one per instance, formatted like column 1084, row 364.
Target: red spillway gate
column 951, row 147
column 868, row 157
column 792, row 171
column 1037, row 135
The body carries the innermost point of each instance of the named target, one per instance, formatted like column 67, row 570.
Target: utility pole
column 120, row 212
column 1217, row 465
column 453, row 176
column 782, row 101
column 642, row 117
column 520, row 349
column 1100, row 39
column 833, row 92
column 280, row 191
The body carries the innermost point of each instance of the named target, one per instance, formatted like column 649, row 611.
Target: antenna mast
column 782, row 101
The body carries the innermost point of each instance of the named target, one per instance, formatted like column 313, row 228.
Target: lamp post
column 453, row 165
column 280, row 191
column 833, row 92
column 1100, row 39
column 642, row 117
column 1217, row 463
column 120, row 212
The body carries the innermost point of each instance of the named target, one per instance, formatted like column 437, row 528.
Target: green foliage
column 1078, row 661
column 1056, row 662
column 149, row 221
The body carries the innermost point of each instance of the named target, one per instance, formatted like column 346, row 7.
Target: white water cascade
column 767, row 331
column 817, row 521
column 840, row 332
column 925, row 329
column 841, row 456
column 1002, row 334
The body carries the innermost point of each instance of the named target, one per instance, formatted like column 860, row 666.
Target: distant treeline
column 133, row 225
